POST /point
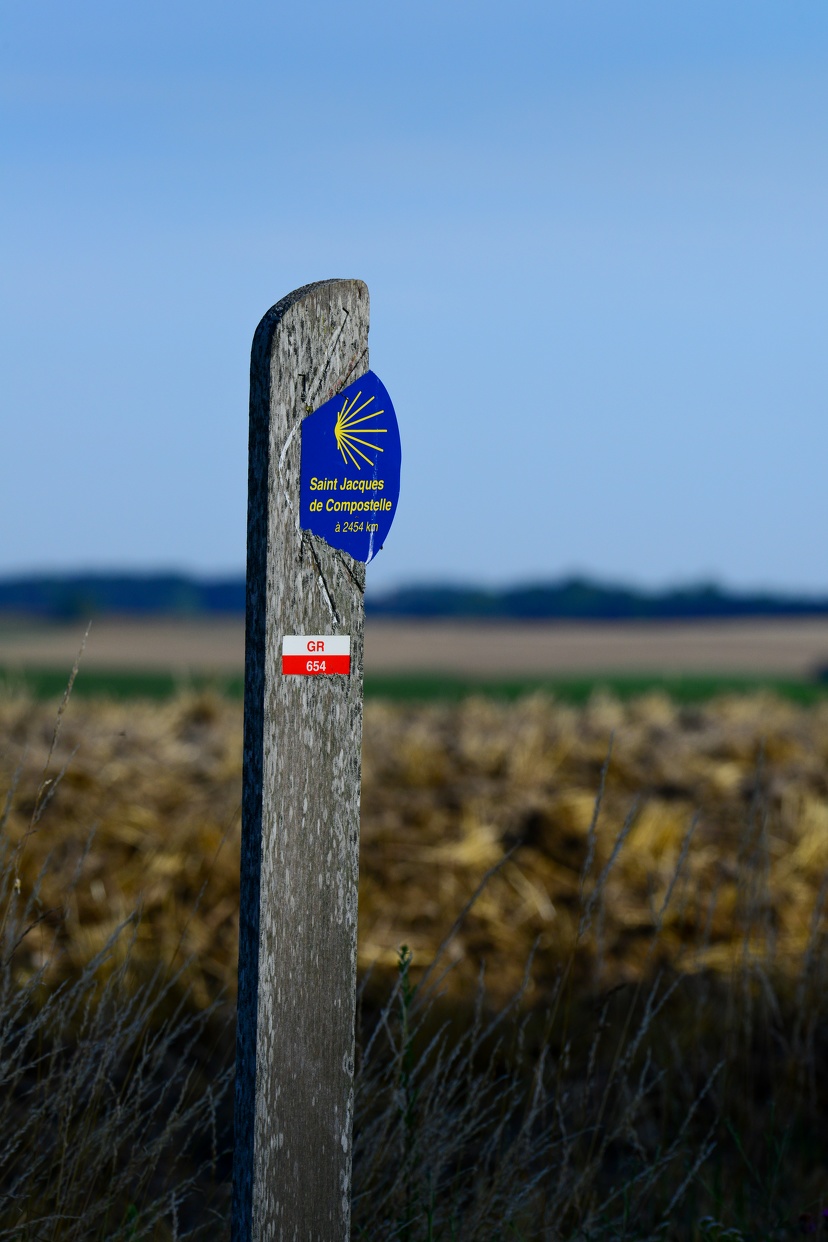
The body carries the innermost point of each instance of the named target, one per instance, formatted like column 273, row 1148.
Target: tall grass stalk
column 108, row 1103
column 680, row 1106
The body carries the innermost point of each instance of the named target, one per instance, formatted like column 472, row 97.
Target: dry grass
column 446, row 789
column 669, row 1062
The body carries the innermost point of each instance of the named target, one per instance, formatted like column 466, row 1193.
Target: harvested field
column 668, row 1078
column 447, row 789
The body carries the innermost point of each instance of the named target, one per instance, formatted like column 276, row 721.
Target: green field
column 419, row 687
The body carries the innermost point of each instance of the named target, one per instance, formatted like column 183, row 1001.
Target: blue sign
column 350, row 480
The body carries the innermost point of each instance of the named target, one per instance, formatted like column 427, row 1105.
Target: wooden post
column 300, row 827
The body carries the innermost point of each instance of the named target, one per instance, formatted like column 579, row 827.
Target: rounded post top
column 346, row 288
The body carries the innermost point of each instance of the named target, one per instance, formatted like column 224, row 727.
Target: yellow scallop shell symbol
column 349, row 430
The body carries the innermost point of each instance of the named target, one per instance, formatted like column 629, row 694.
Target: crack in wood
column 355, row 361
column 342, row 558
column 282, row 460
column 328, row 596
column 323, row 368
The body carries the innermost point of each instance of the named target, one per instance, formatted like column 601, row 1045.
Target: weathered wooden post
column 323, row 486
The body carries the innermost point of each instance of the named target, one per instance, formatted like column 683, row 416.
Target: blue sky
column 594, row 232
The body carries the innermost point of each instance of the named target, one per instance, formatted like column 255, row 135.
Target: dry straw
column 640, row 1056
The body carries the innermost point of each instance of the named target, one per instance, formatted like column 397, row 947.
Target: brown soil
column 787, row 648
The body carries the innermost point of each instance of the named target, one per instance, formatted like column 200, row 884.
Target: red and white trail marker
column 314, row 655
